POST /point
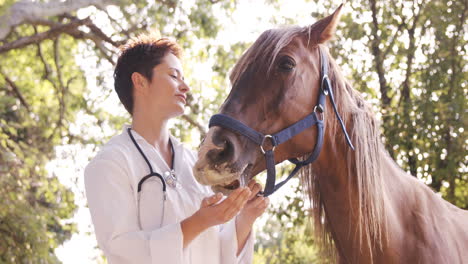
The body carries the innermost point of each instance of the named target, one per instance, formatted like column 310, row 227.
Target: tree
column 419, row 55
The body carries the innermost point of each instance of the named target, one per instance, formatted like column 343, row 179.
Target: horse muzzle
column 220, row 163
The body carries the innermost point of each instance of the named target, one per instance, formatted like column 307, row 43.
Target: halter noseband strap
column 289, row 132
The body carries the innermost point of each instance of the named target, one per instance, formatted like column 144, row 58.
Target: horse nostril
column 224, row 153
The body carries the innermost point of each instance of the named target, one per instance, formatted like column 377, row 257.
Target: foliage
column 36, row 107
column 294, row 245
column 418, row 66
column 288, row 237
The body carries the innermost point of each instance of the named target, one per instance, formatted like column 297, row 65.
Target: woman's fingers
column 229, row 207
column 251, row 184
column 231, row 198
column 256, row 202
column 211, row 200
column 238, row 203
column 254, row 188
column 265, row 203
column 218, row 213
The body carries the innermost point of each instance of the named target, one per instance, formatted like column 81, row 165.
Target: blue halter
column 289, row 132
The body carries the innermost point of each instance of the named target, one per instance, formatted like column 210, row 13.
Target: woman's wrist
column 196, row 223
column 245, row 220
column 244, row 224
column 201, row 221
column 191, row 227
column 243, row 229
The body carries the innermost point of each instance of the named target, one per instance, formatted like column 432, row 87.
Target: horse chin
column 230, row 185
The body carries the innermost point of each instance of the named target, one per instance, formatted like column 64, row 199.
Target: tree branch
column 61, row 88
column 122, row 30
column 451, row 145
column 392, row 42
column 57, row 64
column 96, row 35
column 29, row 11
column 379, row 59
column 196, row 124
column 112, row 19
column 47, row 69
column 405, row 92
column 16, row 91
column 98, row 32
column 50, row 34
column 104, row 51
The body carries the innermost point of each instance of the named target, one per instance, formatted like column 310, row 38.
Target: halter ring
column 319, row 113
column 263, row 141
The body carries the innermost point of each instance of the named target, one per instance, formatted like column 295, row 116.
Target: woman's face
column 167, row 93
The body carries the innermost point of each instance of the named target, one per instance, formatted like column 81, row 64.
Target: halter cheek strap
column 289, row 132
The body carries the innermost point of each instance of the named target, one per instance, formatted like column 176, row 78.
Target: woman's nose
column 184, row 87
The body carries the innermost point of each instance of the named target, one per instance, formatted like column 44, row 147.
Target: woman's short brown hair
column 140, row 54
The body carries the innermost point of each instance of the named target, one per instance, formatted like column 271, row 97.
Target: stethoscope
column 169, row 177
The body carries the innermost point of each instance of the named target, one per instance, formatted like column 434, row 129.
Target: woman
column 145, row 204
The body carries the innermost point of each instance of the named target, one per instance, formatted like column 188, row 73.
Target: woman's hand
column 255, row 206
column 212, row 213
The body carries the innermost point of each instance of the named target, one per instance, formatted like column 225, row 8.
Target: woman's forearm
column 191, row 228
column 243, row 229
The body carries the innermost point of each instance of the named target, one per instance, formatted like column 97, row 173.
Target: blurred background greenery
column 57, row 106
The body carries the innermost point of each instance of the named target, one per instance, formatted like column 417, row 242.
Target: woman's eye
column 173, row 76
column 287, row 64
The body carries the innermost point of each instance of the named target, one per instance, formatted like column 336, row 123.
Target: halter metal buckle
column 323, row 88
column 272, row 142
column 320, row 113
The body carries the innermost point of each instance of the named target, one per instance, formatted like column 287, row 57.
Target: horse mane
column 364, row 166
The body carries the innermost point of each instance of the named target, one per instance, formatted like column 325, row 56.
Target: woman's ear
column 140, row 83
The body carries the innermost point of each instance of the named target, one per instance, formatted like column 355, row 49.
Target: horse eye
column 286, row 64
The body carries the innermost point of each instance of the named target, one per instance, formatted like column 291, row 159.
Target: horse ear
column 324, row 29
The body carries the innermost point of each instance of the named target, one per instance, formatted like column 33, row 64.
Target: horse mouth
column 230, row 185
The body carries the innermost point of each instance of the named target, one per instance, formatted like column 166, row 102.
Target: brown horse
column 367, row 209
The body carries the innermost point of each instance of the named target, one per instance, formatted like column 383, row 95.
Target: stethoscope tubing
column 152, row 174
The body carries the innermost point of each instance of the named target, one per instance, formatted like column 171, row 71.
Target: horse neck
column 339, row 196
column 350, row 185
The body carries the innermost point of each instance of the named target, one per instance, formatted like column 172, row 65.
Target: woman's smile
column 183, row 97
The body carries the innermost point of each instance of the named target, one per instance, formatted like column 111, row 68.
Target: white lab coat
column 111, row 180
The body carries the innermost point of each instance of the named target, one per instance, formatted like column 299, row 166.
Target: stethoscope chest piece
column 171, row 179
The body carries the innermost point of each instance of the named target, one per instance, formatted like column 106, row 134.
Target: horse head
column 275, row 83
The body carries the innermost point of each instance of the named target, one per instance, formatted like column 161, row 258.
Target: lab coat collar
column 175, row 142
